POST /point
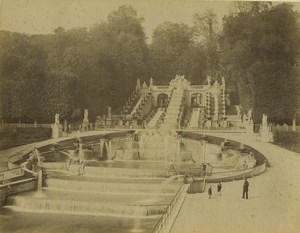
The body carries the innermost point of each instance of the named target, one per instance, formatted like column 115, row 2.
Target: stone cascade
column 140, row 108
column 194, row 122
column 173, row 110
column 154, row 121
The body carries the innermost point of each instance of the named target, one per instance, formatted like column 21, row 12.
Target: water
column 39, row 193
column 122, row 198
column 115, row 187
column 23, row 222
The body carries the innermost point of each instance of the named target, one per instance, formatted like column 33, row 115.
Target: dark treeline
column 64, row 72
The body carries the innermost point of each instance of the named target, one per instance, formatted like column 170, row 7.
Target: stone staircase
column 194, row 122
column 173, row 110
column 153, row 122
column 197, row 118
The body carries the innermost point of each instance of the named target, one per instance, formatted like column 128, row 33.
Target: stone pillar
column 101, row 146
column 109, row 155
column 204, row 151
column 80, row 150
column 199, row 152
column 294, row 124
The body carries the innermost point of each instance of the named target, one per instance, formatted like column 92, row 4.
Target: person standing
column 209, row 192
column 245, row 189
column 219, row 187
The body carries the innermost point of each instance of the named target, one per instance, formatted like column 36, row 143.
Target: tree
column 174, row 51
column 206, row 27
column 260, row 48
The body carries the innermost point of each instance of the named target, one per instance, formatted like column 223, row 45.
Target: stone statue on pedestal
column 144, row 86
column 56, row 122
column 86, row 116
column 198, row 99
column 85, row 122
column 151, row 83
column 109, row 113
column 223, row 81
column 56, row 128
column 138, row 85
column 264, row 120
column 249, row 114
column 294, row 124
column 208, row 80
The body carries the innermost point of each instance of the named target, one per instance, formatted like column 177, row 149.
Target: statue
column 216, row 83
column 208, row 80
column 265, row 120
column 56, row 119
column 109, row 112
column 223, row 81
column 238, row 109
column 245, row 118
column 56, row 128
column 144, row 85
column 294, row 124
column 86, row 116
column 151, row 83
column 249, row 114
column 198, row 99
column 138, row 85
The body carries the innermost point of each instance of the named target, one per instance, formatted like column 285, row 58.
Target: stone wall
column 16, row 187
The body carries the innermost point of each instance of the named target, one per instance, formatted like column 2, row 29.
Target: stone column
column 204, row 151
column 101, row 146
column 109, row 155
column 294, row 124
column 80, row 150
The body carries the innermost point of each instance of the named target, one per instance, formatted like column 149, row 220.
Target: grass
column 12, row 137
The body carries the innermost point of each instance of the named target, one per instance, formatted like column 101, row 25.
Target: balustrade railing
column 166, row 221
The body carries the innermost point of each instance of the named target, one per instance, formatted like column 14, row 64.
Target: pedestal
column 265, row 135
column 56, row 131
column 85, row 125
column 249, row 128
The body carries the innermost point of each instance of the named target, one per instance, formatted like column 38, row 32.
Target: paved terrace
column 273, row 205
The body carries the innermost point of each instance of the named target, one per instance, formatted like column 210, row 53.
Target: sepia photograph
column 151, row 116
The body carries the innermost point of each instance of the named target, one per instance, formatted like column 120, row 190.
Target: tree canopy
column 260, row 48
column 256, row 50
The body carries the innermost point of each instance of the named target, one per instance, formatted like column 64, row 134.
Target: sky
column 43, row 16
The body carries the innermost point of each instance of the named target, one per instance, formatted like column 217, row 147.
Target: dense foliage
column 69, row 70
column 260, row 46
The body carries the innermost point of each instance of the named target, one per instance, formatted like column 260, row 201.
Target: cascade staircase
column 197, row 118
column 194, row 122
column 153, row 122
column 173, row 110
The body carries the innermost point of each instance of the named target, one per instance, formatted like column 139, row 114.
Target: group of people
column 219, row 188
column 206, row 169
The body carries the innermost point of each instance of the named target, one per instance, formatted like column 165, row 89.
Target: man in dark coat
column 245, row 189
column 219, row 187
column 209, row 192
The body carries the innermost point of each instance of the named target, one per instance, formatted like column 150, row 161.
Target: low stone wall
column 16, row 187
column 247, row 173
